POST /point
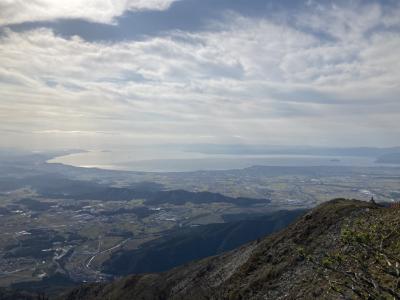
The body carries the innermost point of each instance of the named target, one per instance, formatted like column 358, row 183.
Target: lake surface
column 179, row 161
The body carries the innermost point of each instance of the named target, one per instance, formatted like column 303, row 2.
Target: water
column 148, row 160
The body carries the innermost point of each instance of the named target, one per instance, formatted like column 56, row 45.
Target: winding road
column 90, row 260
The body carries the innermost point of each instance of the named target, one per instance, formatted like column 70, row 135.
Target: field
column 64, row 221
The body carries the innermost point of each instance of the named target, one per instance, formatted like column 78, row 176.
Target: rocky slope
column 316, row 257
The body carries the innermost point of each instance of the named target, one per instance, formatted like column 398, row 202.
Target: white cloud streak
column 263, row 81
column 100, row 11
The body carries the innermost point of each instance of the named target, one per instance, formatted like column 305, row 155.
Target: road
column 105, row 251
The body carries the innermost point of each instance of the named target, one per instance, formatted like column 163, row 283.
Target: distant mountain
column 176, row 197
column 194, row 243
column 180, row 197
column 343, row 249
column 57, row 187
column 240, row 149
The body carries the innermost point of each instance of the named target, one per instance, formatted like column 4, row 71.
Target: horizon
column 208, row 157
column 205, row 149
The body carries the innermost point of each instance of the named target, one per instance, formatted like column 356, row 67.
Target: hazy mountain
column 294, row 150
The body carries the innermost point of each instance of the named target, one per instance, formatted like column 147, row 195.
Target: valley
column 62, row 226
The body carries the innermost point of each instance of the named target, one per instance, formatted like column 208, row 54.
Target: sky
column 103, row 74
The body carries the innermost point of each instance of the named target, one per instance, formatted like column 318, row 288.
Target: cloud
column 344, row 23
column 99, row 11
column 265, row 81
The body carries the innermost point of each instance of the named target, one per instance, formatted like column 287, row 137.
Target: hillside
column 187, row 244
column 342, row 249
column 8, row 294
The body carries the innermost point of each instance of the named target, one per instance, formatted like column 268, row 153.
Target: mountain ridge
column 284, row 265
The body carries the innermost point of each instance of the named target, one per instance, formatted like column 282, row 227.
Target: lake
column 147, row 160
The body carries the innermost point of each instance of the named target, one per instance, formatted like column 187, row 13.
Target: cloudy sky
column 111, row 73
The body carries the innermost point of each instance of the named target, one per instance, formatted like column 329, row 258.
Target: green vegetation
column 366, row 262
column 70, row 221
